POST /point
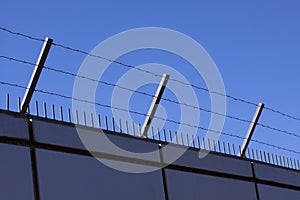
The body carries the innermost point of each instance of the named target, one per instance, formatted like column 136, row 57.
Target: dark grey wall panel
column 210, row 162
column 13, row 126
column 277, row 193
column 185, row 185
column 65, row 135
column 277, row 174
column 67, row 176
column 15, row 173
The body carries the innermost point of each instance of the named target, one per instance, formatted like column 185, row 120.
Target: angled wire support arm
column 251, row 129
column 154, row 104
column 36, row 74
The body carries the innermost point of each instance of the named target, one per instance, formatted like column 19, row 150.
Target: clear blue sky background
column 254, row 44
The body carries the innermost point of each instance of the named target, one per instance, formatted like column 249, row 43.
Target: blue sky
column 254, row 44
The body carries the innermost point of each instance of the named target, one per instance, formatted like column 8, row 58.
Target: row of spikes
column 161, row 135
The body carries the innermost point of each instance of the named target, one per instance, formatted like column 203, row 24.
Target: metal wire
column 142, row 114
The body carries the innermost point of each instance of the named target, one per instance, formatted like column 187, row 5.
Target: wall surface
column 45, row 159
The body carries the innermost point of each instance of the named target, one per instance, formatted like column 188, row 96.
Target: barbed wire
column 21, row 34
column 132, row 67
column 145, row 115
column 126, row 88
column 151, row 95
column 149, row 72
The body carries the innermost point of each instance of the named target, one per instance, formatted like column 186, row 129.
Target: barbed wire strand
column 151, row 95
column 149, row 72
column 143, row 114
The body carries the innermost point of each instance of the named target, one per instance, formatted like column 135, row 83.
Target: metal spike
column 152, row 131
column 113, row 124
column 158, row 133
column 92, row 120
column 45, row 109
column 53, row 111
column 69, row 115
column 77, row 117
column 133, row 129
column 99, row 121
column 229, row 150
column 61, row 113
column 19, row 103
column 120, row 126
column 170, row 136
column 219, row 146
column 37, row 108
column 208, row 144
column 224, row 147
column 176, row 137
column 127, row 129
column 7, row 101
column 199, row 145
column 106, row 123
column 84, row 118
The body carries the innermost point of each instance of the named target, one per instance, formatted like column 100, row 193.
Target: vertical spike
column 265, row 157
column 92, row 120
column 224, row 147
column 165, row 137
column 253, row 157
column 99, row 121
column 280, row 159
column 176, row 137
column 203, row 143
column 187, row 139
column 208, row 144
column 113, row 124
column 199, row 145
column 77, row 117
column 214, row 145
column 19, row 103
column 283, row 158
column 37, row 108
column 219, row 146
column 84, row 118
column 120, row 126
column 7, row 101
column 182, row 140
column 257, row 156
column 298, row 164
column 53, row 111
column 240, row 150
column 269, row 158
column 170, row 135
column 295, row 164
column 276, row 158
column 28, row 109
column 69, row 115
column 127, row 129
column 229, row 149
column 106, row 123
column 152, row 131
column 248, row 153
column 287, row 161
column 139, row 129
column 272, row 156
column 233, row 149
column 193, row 141
column 158, row 133
column 61, row 113
column 45, row 110
column 133, row 129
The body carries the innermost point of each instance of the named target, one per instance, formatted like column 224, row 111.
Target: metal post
column 251, row 129
column 154, row 105
column 36, row 74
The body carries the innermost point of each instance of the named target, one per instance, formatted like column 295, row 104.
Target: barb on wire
column 21, row 34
